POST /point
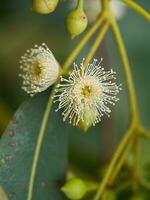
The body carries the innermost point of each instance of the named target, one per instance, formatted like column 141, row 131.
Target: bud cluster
column 76, row 20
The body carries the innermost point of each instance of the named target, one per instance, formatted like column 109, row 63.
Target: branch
column 113, row 162
column 126, row 67
column 146, row 134
column 133, row 107
column 120, row 162
column 39, row 144
column 138, row 9
column 97, row 42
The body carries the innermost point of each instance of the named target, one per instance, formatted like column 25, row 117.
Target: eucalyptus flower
column 86, row 95
column 39, row 69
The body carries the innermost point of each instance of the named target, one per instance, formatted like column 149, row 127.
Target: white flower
column 87, row 93
column 93, row 8
column 39, row 69
column 118, row 9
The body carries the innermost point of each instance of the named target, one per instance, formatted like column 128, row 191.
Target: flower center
column 86, row 91
column 37, row 69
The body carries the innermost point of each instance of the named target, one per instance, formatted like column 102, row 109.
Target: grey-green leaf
column 17, row 148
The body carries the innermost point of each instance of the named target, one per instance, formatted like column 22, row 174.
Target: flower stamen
column 39, row 69
column 86, row 91
column 87, row 94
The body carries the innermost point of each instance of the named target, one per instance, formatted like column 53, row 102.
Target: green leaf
column 17, row 148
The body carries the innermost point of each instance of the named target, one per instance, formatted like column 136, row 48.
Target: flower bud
column 87, row 121
column 44, row 6
column 76, row 21
column 75, row 188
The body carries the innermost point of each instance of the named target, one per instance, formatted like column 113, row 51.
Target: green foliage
column 18, row 143
column 17, row 151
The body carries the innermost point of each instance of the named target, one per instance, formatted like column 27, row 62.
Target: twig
column 83, row 41
column 97, row 42
column 112, row 164
column 138, row 9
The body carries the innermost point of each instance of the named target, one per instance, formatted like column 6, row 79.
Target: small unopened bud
column 76, row 21
column 75, row 188
column 44, row 6
column 87, row 121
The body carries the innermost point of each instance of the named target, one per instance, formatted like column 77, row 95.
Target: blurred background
column 20, row 29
